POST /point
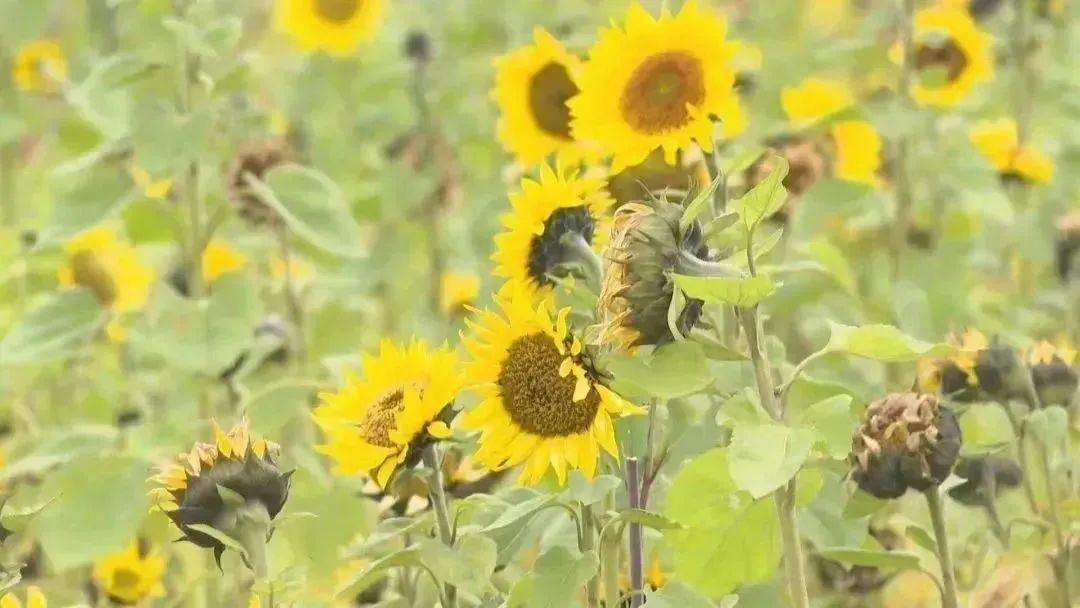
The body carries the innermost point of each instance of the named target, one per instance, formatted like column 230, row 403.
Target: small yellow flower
column 219, row 257
column 457, row 290
column 129, row 576
column 113, row 270
column 333, row 26
column 947, row 40
column 34, row 599
column 814, row 99
column 152, row 188
column 40, row 65
column 858, row 151
column 999, row 143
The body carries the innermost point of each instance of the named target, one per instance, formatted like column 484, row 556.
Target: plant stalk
column 588, row 543
column 1022, row 456
column 437, row 495
column 611, row 560
column 948, row 574
column 637, row 563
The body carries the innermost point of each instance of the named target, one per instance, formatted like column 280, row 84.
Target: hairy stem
column 437, row 494
column 948, row 573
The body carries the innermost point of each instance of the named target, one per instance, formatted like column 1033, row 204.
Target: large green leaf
column 764, row 457
column 468, row 565
column 376, row 570
column 870, row 557
column 99, row 195
column 766, row 198
column 730, row 539
column 53, row 327
column 834, row 262
column 100, row 503
column 881, row 343
column 671, row 371
column 165, row 141
column 676, row 594
column 559, row 577
column 313, row 206
column 832, row 421
column 736, row 291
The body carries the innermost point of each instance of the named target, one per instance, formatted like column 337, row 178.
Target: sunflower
column 457, row 290
column 532, row 85
column 129, row 576
column 657, row 83
column 652, row 176
column 40, row 65
column 551, row 222
column 998, row 141
column 954, row 374
column 97, row 260
column 34, row 599
column 188, row 489
column 333, row 26
column 378, row 423
column 951, row 54
column 219, row 257
column 543, row 404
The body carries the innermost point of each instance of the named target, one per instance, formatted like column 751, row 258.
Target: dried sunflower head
column 1052, row 371
column 906, row 440
column 807, row 164
column 982, row 474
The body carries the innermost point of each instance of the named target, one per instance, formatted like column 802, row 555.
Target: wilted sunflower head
column 1052, row 371
column 553, row 223
column 645, row 247
column 906, row 440
column 951, row 55
column 257, row 160
column 653, row 176
column 1068, row 245
column 982, row 475
column 129, row 576
column 246, row 466
column 381, row 422
column 807, row 164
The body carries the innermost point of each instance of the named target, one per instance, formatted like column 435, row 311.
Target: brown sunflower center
column 660, row 89
column 379, row 418
column 536, row 397
column 549, row 90
column 125, row 579
column 88, row 270
column 944, row 55
column 337, row 11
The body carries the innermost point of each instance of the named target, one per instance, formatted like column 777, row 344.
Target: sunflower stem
column 689, row 264
column 611, row 559
column 588, row 543
column 633, row 491
column 578, row 250
column 252, row 530
column 948, row 574
column 437, row 495
column 1022, row 455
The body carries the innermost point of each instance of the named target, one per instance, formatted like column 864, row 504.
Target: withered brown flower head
column 257, row 160
column 906, row 440
column 807, row 164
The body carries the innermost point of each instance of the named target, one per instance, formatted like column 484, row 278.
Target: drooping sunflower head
column 952, row 55
column 653, row 176
column 34, row 599
column 246, row 466
column 551, row 220
column 220, row 257
column 906, row 440
column 1068, row 245
column 656, row 83
column 813, row 99
column 999, row 143
column 543, row 404
column 380, row 422
column 129, row 576
column 112, row 269
column 532, row 86
column 40, row 65
column 645, row 247
column 457, row 290
column 982, row 475
column 1052, row 371
column 331, row 26
column 954, row 375
column 256, row 160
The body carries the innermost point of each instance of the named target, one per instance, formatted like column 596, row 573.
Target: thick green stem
column 251, row 531
column 1022, row 456
column 611, row 559
column 437, row 495
column 941, row 535
column 689, row 264
column 588, row 543
column 580, row 253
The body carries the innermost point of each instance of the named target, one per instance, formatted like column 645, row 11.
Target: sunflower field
column 539, row 304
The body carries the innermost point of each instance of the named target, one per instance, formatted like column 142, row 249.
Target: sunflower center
column 547, row 251
column 337, row 11
column 549, row 90
column 660, row 89
column 536, row 397
column 944, row 55
column 124, row 579
column 88, row 270
column 379, row 418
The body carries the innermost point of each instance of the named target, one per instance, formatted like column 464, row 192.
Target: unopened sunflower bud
column 645, row 248
column 906, row 440
column 1068, row 245
column 256, row 161
column 1052, row 371
column 981, row 474
column 215, row 484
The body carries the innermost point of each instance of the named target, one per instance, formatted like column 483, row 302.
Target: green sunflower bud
column 646, row 247
column 1052, row 371
column 906, row 440
column 982, row 475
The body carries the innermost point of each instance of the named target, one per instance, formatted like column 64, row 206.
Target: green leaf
column 730, row 539
column 834, row 262
column 15, row 520
column 921, row 537
column 102, row 97
column 869, row 557
column 375, row 571
column 511, row 528
column 676, row 594
column 1049, row 425
column 673, row 370
column 56, row 447
column 694, row 207
column 832, row 421
column 166, row 141
column 55, row 326
column 648, row 519
column 764, row 199
column 559, row 575
column 100, row 195
column 99, row 506
column 468, row 565
column 313, row 206
column 764, row 457
column 985, row 430
column 881, row 343
column 736, row 291
column 590, row 491
column 221, row 537
column 275, row 405
column 741, row 161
